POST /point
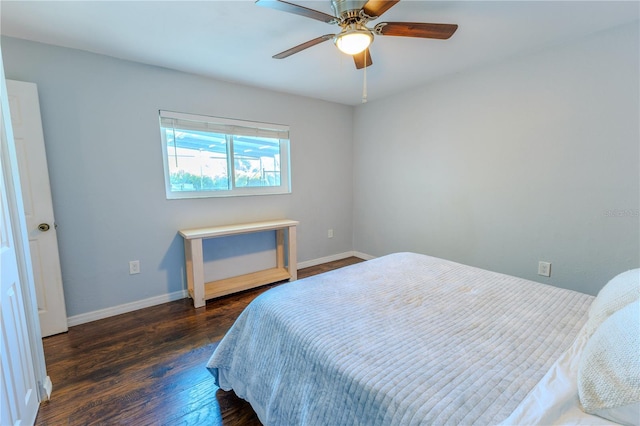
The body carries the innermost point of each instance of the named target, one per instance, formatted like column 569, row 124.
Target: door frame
column 21, row 242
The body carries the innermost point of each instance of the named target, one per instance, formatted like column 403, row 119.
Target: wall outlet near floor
column 544, row 269
column 134, row 267
column 330, row 233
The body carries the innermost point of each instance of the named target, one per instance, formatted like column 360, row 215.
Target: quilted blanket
column 404, row 339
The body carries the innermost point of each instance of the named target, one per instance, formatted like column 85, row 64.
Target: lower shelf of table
column 226, row 286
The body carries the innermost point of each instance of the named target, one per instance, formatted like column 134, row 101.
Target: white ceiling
column 234, row 40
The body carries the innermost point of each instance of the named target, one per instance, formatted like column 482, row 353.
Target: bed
column 409, row 339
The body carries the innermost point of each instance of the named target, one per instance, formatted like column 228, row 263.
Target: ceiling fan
column 355, row 37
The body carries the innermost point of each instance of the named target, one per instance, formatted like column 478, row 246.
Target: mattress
column 402, row 339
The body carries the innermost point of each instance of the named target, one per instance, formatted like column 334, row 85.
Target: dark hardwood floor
column 148, row 367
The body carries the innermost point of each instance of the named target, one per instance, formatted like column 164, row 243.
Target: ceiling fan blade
column 416, row 29
column 359, row 59
column 303, row 46
column 298, row 10
column 376, row 8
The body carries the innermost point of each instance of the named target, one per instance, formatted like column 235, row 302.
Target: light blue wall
column 535, row 158
column 100, row 121
column 496, row 167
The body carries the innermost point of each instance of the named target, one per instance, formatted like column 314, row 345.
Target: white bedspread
column 404, row 339
column 554, row 400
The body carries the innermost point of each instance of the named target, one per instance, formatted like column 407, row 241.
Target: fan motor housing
column 348, row 11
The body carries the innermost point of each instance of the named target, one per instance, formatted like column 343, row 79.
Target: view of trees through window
column 208, row 157
column 199, row 161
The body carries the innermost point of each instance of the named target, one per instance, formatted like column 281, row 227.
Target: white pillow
column 621, row 290
column 609, row 369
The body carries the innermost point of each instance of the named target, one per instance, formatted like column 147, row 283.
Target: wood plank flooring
column 148, row 367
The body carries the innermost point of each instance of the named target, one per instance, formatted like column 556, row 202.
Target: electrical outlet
column 134, row 267
column 544, row 269
column 330, row 233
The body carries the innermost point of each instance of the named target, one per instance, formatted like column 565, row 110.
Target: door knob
column 44, row 227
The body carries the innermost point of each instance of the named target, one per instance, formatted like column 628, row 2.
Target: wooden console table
column 200, row 291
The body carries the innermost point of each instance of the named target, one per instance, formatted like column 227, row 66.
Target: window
column 219, row 157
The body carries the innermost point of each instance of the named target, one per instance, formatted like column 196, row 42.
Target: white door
column 19, row 392
column 38, row 205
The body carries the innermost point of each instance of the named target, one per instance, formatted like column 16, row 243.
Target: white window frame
column 227, row 126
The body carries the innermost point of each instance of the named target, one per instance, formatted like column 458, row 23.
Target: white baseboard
column 127, row 307
column 321, row 260
column 177, row 295
column 334, row 257
column 363, row 255
column 47, row 387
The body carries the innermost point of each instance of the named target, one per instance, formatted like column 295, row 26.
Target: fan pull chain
column 364, row 83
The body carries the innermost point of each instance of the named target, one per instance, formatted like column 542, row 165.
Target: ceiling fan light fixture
column 353, row 39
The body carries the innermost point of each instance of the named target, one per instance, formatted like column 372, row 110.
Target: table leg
column 280, row 248
column 194, row 262
column 292, row 253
